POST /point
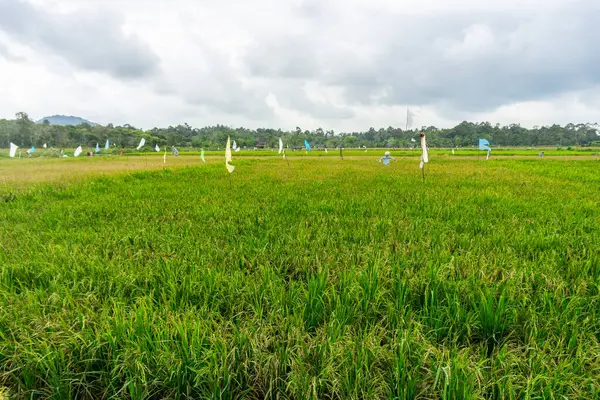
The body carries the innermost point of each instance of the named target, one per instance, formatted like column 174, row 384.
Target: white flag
column 488, row 155
column 237, row 149
column 412, row 139
column 409, row 118
column 280, row 146
column 142, row 143
column 156, row 148
column 325, row 150
column 45, row 146
column 165, row 156
column 424, row 155
column 77, row 151
column 228, row 158
column 13, row 149
column 234, row 145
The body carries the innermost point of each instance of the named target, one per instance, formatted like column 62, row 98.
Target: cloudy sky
column 339, row 64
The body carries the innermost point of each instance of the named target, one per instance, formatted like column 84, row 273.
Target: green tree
column 25, row 129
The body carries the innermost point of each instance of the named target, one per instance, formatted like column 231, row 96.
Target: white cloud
column 337, row 64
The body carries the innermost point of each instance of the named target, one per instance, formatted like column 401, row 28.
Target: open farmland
column 326, row 278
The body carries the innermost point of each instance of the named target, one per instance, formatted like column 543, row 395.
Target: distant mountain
column 65, row 120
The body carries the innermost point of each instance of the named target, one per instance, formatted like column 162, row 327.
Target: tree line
column 25, row 133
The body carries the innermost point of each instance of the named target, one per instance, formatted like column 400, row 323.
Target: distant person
column 541, row 154
column 386, row 158
column 175, row 152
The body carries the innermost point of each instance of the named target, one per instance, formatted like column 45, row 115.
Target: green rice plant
column 326, row 278
column 314, row 309
column 494, row 318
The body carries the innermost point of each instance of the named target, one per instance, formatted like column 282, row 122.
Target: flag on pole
column 409, row 118
column 280, row 146
column 237, row 149
column 484, row 145
column 228, row 158
column 142, row 143
column 156, row 148
column 97, row 148
column 234, row 145
column 306, row 145
column 77, row 151
column 325, row 150
column 424, row 155
column 32, row 149
column 13, row 149
column 487, row 157
column 45, row 146
column 107, row 145
column 452, row 151
column 165, row 156
column 202, row 155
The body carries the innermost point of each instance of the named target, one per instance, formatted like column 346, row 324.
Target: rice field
column 324, row 279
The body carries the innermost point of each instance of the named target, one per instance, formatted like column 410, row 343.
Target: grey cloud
column 293, row 58
column 217, row 86
column 4, row 53
column 290, row 94
column 8, row 55
column 88, row 40
column 286, row 67
column 432, row 60
column 213, row 85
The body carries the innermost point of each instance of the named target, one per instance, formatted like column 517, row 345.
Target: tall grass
column 324, row 279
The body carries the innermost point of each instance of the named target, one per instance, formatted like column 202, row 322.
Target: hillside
column 64, row 120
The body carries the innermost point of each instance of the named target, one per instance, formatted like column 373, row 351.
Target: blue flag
column 32, row 149
column 107, row 146
column 97, row 148
column 306, row 145
column 484, row 145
